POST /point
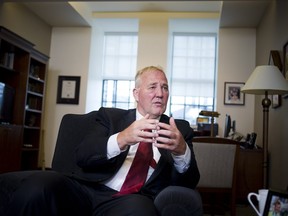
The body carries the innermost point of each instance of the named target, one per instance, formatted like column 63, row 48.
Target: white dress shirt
column 181, row 162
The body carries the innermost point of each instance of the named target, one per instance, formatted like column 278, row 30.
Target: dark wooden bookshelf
column 24, row 69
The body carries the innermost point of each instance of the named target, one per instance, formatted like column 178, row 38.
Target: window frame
column 116, row 78
column 185, row 103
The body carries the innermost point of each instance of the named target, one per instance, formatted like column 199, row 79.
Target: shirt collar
column 139, row 116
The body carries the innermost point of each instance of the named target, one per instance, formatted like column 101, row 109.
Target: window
column 119, row 66
column 192, row 75
column 118, row 93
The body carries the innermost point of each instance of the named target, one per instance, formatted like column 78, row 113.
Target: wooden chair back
column 217, row 162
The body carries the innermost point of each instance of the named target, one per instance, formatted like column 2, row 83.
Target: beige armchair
column 217, row 162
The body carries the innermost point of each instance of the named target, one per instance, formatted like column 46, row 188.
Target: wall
column 70, row 49
column 18, row 19
column 272, row 34
column 237, row 49
column 153, row 40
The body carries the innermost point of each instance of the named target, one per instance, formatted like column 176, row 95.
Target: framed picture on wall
column 285, row 60
column 276, row 101
column 275, row 59
column 233, row 94
column 68, row 90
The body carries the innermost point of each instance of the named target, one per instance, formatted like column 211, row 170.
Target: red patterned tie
column 138, row 171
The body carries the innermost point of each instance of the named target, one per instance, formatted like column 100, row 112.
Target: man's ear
column 135, row 94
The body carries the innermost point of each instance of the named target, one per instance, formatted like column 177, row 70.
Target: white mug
column 261, row 198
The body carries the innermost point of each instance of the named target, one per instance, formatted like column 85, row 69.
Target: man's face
column 277, row 207
column 152, row 94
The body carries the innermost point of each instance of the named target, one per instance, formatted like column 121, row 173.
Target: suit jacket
column 92, row 152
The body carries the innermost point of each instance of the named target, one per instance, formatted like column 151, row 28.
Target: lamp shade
column 266, row 78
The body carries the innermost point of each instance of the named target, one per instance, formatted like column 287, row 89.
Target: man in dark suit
column 109, row 151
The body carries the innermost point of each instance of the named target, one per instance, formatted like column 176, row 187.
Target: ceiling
column 60, row 13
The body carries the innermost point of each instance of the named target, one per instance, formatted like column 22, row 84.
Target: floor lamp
column 266, row 80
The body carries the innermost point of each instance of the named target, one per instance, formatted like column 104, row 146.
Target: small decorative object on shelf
column 34, row 71
column 7, row 60
column 28, row 145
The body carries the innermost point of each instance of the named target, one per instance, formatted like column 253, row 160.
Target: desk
column 250, row 173
column 204, row 129
column 201, row 133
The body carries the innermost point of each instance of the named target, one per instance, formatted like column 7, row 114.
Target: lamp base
column 266, row 103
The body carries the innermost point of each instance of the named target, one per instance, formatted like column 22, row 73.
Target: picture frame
column 233, row 94
column 68, row 89
column 276, row 202
column 285, row 65
column 275, row 59
column 276, row 101
column 285, row 60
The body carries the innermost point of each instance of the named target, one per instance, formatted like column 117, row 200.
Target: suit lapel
column 128, row 118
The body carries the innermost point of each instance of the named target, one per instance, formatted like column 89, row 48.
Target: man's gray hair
column 144, row 70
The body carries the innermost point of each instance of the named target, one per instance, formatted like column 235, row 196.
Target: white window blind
column 119, row 68
column 193, row 74
column 120, row 55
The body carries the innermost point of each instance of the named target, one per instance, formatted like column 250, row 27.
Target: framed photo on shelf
column 68, row 90
column 276, row 203
column 233, row 94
